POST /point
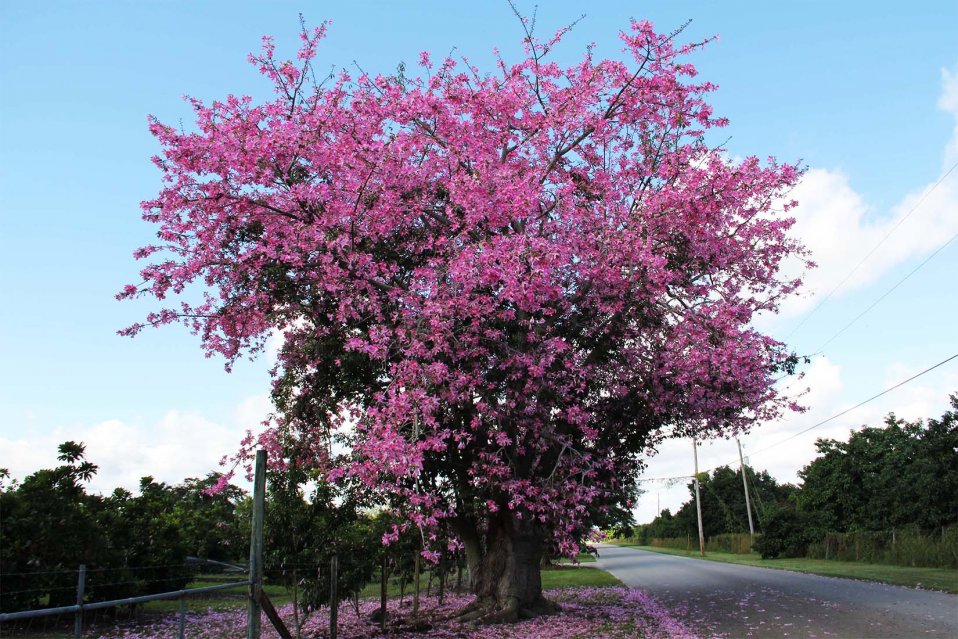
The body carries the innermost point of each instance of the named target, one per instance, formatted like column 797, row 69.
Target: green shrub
column 787, row 533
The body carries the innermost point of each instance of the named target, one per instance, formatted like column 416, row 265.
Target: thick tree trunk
column 505, row 577
column 472, row 543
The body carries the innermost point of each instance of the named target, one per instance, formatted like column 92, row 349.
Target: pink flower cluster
column 498, row 290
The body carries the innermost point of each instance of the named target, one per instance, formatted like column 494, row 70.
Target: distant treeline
column 884, row 489
column 132, row 545
column 139, row 544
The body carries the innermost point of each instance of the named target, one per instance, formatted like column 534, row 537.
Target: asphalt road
column 720, row 599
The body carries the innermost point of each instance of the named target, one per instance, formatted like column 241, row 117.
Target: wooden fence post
column 78, row 618
column 383, row 591
column 254, row 607
column 333, row 598
column 182, row 634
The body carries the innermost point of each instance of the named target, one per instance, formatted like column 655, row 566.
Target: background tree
column 723, row 506
column 501, row 289
column 788, row 532
column 723, row 501
column 302, row 534
column 211, row 522
column 50, row 526
column 149, row 546
column 132, row 544
column 904, row 474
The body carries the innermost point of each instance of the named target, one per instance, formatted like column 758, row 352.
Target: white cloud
column 274, row 344
column 252, row 411
column 178, row 445
column 840, row 228
column 277, row 337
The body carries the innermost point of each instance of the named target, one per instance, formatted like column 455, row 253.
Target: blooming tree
column 500, row 289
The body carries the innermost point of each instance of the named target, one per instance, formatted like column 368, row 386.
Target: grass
column 583, row 558
column 222, row 600
column 944, row 579
column 560, row 575
column 556, row 576
column 576, row 577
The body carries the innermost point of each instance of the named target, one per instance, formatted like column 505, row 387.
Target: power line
column 872, row 251
column 886, row 294
column 674, row 477
column 859, row 405
column 824, row 421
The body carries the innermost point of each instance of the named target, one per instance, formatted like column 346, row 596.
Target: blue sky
column 864, row 93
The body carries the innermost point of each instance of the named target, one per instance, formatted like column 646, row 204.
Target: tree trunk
column 473, row 546
column 442, row 582
column 415, row 597
column 505, row 579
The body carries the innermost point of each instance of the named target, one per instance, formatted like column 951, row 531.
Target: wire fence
column 213, row 605
column 39, row 605
column 165, row 600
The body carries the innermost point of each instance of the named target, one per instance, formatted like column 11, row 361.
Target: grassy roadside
column 556, row 576
column 222, row 600
column 944, row 579
column 576, row 577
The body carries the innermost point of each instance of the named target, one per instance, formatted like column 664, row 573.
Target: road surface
column 719, row 599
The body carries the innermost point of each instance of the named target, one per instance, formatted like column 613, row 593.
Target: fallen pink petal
column 587, row 613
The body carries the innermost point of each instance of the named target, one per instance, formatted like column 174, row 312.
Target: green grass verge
column 576, row 577
column 944, row 579
column 557, row 576
column 222, row 600
column 583, row 558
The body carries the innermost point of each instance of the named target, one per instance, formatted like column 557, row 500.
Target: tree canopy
column 902, row 477
column 499, row 290
column 902, row 474
column 132, row 544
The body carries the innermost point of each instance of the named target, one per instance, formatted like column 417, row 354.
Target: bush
column 787, row 533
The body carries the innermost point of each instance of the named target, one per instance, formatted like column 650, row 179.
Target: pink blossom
column 497, row 290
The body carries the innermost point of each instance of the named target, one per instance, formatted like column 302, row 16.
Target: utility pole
column 698, row 498
column 748, row 502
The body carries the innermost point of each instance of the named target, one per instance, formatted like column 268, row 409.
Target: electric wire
column 858, row 405
column 821, row 423
column 872, row 251
column 884, row 295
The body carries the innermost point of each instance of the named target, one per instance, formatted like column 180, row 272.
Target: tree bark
column 505, row 577
column 472, row 543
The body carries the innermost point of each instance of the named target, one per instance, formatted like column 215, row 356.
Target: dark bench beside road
column 743, row 601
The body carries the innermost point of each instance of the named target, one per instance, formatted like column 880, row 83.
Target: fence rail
column 257, row 599
column 98, row 605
